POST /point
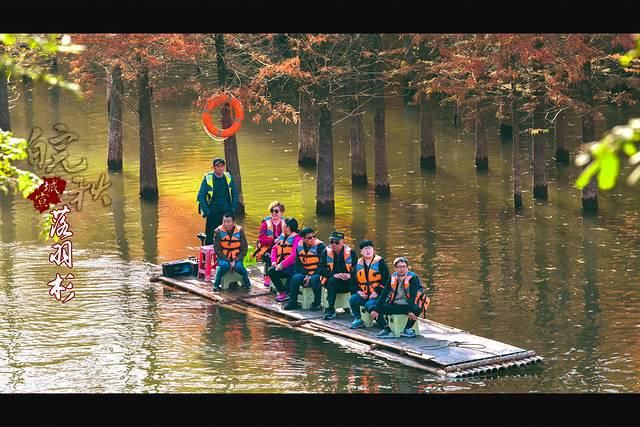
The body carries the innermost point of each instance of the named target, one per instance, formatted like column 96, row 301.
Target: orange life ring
column 216, row 101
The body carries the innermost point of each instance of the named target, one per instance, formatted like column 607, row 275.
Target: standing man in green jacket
column 217, row 195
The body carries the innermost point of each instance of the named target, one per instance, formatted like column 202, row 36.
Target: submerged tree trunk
column 515, row 134
column 307, row 131
column 408, row 92
column 27, row 88
column 148, row 174
column 590, row 192
column 358, row 157
column 114, row 109
column 562, row 135
column 427, row 139
column 325, row 203
column 539, row 173
column 232, row 158
column 382, row 177
column 482, row 152
column 5, row 118
column 54, row 93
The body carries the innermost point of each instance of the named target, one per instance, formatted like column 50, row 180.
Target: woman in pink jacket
column 283, row 257
column 270, row 230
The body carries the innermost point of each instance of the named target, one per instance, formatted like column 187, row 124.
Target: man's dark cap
column 217, row 161
column 306, row 231
column 365, row 243
column 336, row 235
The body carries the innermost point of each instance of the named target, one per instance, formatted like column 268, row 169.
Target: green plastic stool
column 230, row 277
column 342, row 300
column 397, row 321
column 366, row 317
column 305, row 297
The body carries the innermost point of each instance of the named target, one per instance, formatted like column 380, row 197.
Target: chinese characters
column 63, row 253
column 44, row 196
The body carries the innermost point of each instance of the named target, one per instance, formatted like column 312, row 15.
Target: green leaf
column 8, row 39
column 629, row 149
column 609, row 168
column 587, row 174
column 23, row 182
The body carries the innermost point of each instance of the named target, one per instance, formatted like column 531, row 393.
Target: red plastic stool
column 206, row 262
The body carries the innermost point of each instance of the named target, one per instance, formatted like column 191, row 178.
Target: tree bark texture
column 590, row 192
column 231, row 156
column 307, row 131
column 515, row 133
column 381, row 175
column 562, row 139
column 5, row 118
column 114, row 108
column 325, row 202
column 358, row 157
column 539, row 173
column 481, row 150
column 427, row 138
column 148, row 174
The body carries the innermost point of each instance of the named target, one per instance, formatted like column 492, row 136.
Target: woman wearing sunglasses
column 270, row 229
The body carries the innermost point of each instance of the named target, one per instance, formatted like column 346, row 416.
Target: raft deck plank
column 438, row 344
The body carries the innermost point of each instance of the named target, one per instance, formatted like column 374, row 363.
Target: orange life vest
column 421, row 301
column 230, row 241
column 271, row 232
column 346, row 252
column 284, row 246
column 309, row 257
column 367, row 283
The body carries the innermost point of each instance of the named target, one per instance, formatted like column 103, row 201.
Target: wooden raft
column 440, row 349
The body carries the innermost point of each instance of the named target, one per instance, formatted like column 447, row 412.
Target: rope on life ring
column 215, row 102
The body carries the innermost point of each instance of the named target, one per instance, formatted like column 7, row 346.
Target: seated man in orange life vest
column 306, row 273
column 337, row 265
column 231, row 247
column 403, row 295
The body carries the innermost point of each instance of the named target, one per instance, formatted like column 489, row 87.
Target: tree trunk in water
column 562, row 136
column 382, row 177
column 148, row 174
column 482, row 152
column 325, row 203
column 307, row 131
column 408, row 92
column 358, row 157
column 590, row 192
column 232, row 158
column 517, row 185
column 539, row 176
column 114, row 108
column 427, row 139
column 27, row 88
column 54, row 93
column 5, row 118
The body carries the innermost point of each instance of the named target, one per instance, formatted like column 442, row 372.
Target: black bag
column 185, row 267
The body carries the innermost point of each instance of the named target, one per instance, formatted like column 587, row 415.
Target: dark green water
column 546, row 279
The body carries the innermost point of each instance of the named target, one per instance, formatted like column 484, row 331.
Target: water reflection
column 486, row 301
column 149, row 223
column 359, row 224
column 153, row 375
column 7, row 207
column 544, row 304
column 117, row 208
column 589, row 333
column 382, row 226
